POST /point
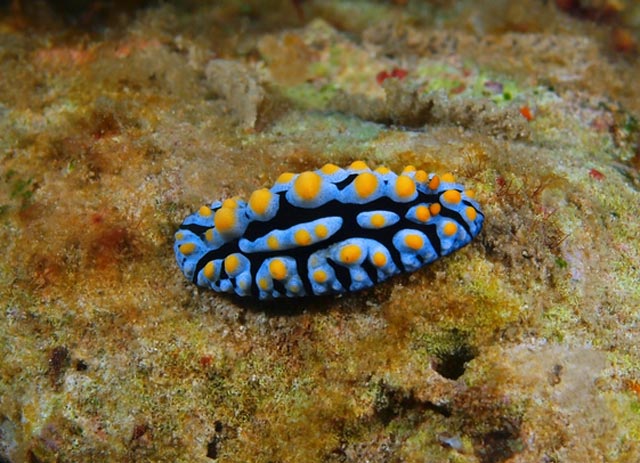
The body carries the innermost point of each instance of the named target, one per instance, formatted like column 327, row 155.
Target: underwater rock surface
column 119, row 119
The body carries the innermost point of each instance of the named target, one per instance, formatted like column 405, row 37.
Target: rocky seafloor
column 118, row 119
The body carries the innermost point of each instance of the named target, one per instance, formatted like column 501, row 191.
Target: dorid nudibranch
column 326, row 231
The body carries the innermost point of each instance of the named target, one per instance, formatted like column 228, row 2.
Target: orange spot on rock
column 125, row 49
column 596, row 174
column 382, row 76
column 206, row 361
column 526, row 113
column 458, row 89
column 97, row 218
column 109, row 244
column 64, row 56
column 399, row 73
column 396, row 73
column 635, row 160
column 623, row 40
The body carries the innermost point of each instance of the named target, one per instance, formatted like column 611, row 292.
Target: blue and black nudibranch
column 327, row 231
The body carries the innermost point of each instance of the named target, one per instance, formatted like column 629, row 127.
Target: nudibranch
column 326, row 231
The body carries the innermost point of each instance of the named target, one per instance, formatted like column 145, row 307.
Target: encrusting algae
column 488, row 355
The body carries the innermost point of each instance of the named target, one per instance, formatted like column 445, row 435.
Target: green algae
column 467, row 80
column 307, row 96
column 343, row 132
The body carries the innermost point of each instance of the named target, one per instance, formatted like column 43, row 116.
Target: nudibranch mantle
column 326, row 231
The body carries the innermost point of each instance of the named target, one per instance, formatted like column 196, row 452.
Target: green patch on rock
column 310, row 96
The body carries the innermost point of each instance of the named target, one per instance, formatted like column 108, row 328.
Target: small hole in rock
column 212, row 448
column 452, row 364
column 500, row 445
column 217, row 426
column 81, row 365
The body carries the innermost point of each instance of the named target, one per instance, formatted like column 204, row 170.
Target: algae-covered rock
column 233, row 82
column 118, row 121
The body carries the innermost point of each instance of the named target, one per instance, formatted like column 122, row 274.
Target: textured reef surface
column 119, row 119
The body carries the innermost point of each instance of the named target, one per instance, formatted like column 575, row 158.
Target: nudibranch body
column 327, row 231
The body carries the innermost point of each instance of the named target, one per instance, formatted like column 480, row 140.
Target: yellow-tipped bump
column 272, row 242
column 365, row 184
column 224, row 219
column 204, row 211
column 435, row 208
column 450, row 228
column 413, row 241
column 471, row 213
column 379, row 259
column 405, row 186
column 320, row 276
column 452, row 196
column 231, row 264
column 422, row 213
column 308, row 185
column 187, row 248
column 421, row 176
column 359, row 165
column 285, row 177
column 260, row 200
column 294, row 287
column 377, row 220
column 277, row 269
column 321, row 231
column 230, row 203
column 209, row 270
column 350, row 253
column 329, row 169
column 448, row 177
column 302, row 237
